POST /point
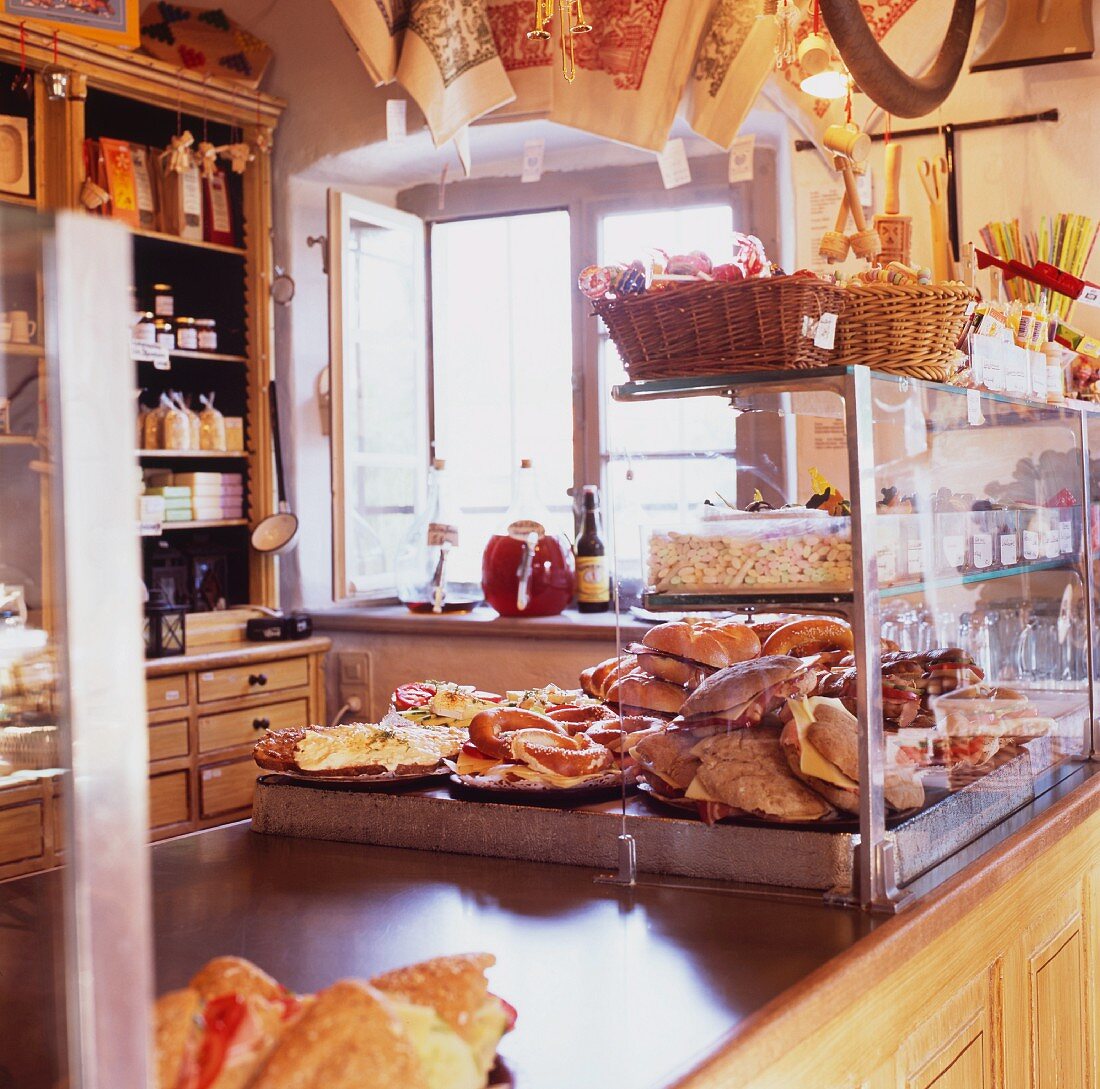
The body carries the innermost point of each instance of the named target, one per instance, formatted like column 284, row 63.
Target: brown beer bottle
column 593, row 578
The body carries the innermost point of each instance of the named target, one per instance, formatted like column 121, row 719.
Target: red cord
column 848, row 102
column 817, row 18
column 887, row 131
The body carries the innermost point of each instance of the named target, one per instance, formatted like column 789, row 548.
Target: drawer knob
column 257, row 679
column 261, row 723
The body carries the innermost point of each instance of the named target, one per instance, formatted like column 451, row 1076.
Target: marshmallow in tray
column 751, row 554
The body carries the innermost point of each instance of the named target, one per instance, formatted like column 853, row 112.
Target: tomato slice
column 510, row 1013
column 470, row 749
column 223, row 1016
column 899, row 694
column 488, row 697
column 406, row 697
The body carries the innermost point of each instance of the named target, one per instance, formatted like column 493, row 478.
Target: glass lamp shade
column 827, row 84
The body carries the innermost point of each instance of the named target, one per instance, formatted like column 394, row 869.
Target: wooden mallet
column 834, row 244
column 895, row 231
column 850, row 145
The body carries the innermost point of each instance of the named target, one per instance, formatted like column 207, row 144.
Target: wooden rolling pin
column 895, row 231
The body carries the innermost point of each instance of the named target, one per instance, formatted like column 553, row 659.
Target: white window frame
column 344, row 211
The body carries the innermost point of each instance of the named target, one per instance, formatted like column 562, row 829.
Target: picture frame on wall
column 114, row 21
column 15, row 156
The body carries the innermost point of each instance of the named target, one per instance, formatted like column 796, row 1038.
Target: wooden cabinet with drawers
column 206, row 712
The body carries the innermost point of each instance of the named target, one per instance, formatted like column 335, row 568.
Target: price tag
column 916, row 558
column 1090, row 295
column 1037, row 364
column 825, row 333
column 534, row 151
column 971, row 307
column 993, row 374
column 1065, row 536
column 1050, row 543
column 396, row 120
column 1017, row 377
column 741, row 159
column 982, row 545
column 673, row 162
column 974, row 415
column 887, row 566
column 157, row 354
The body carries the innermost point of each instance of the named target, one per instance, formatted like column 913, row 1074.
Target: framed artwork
column 114, row 21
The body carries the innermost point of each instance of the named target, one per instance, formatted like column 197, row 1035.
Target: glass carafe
column 431, row 574
column 528, row 570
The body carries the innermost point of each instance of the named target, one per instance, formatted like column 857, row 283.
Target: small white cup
column 23, row 327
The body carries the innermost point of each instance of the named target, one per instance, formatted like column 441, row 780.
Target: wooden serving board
column 204, row 40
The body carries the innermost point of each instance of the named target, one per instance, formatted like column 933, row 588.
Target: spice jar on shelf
column 166, row 336
column 187, row 336
column 207, row 334
column 164, row 301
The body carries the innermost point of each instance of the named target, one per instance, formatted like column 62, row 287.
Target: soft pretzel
column 491, row 730
column 801, row 638
column 577, row 719
column 547, row 751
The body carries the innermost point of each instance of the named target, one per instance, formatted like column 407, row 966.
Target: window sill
column 482, row 622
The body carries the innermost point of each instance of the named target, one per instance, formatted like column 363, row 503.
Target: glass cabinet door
column 75, row 977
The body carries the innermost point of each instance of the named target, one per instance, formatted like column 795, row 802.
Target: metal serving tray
column 805, row 857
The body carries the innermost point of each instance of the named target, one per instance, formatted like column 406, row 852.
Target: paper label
column 825, row 333
column 982, row 544
column 887, row 566
column 915, row 558
column 1017, row 379
column 396, row 120
column 1065, row 537
column 593, row 584
column 525, row 527
column 974, row 414
column 954, row 551
column 865, row 187
column 219, row 204
column 1050, row 543
column 534, row 151
column 993, row 373
column 1090, row 295
column 440, row 534
column 741, row 164
column 1031, row 544
column 192, row 197
column 1037, row 365
column 1009, row 553
column 673, row 162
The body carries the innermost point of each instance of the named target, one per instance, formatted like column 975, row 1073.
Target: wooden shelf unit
column 215, row 247
column 212, row 523
column 184, row 455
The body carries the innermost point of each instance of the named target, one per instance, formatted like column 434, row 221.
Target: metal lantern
column 165, row 631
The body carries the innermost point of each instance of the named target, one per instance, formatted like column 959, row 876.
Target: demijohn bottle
column 593, row 579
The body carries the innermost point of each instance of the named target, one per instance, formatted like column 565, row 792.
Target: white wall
column 1023, row 171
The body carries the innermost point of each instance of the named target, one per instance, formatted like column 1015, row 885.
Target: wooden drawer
column 22, row 832
column 170, row 691
column 167, row 739
column 253, row 680
column 224, row 788
column 169, row 801
column 245, row 727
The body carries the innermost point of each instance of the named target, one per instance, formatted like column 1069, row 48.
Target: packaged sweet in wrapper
column 594, row 282
column 748, row 253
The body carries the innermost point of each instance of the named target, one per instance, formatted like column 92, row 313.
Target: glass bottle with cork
column 428, row 565
column 593, row 579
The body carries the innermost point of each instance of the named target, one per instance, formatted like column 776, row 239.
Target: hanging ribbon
column 23, row 81
column 208, row 158
column 848, row 101
column 887, row 131
column 239, row 156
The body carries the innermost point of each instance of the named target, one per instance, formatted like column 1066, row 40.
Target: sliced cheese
column 363, row 744
column 810, row 761
column 697, row 793
column 506, row 773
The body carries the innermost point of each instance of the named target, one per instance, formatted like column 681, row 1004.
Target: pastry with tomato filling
column 432, row 1026
column 440, row 703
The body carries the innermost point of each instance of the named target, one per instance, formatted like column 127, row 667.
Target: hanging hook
column 322, row 241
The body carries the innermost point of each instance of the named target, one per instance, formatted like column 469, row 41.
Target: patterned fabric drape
column 462, row 59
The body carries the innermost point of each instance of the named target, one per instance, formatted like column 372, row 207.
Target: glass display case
column 948, row 527
column 72, row 735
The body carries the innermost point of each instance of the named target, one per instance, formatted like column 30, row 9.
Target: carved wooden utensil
column 895, row 231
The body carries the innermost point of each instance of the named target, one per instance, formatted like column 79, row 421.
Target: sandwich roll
column 638, row 694
column 745, row 694
column 596, row 680
column 821, row 745
column 684, row 653
column 803, row 638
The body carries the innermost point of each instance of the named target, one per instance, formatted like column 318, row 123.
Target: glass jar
column 187, row 336
column 166, row 337
column 164, row 301
column 207, row 334
column 144, row 331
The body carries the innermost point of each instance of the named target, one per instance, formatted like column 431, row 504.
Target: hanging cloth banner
column 632, row 69
column 736, row 57
column 530, row 65
column 377, row 27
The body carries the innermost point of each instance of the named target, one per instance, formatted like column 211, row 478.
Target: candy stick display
column 1064, row 241
column 895, row 231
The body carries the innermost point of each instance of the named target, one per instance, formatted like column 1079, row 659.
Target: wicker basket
column 909, row 329
column 722, row 328
column 719, row 328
